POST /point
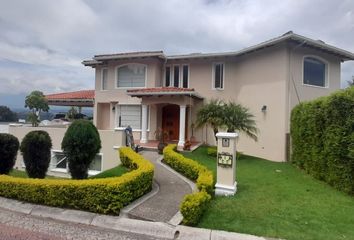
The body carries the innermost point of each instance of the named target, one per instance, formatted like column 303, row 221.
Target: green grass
column 278, row 200
column 23, row 174
column 113, row 172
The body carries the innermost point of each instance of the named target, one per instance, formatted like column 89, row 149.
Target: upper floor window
column 131, row 75
column 177, row 76
column 314, row 72
column 218, row 76
column 104, row 79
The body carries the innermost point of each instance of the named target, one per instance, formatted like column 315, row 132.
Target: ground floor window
column 59, row 163
column 129, row 115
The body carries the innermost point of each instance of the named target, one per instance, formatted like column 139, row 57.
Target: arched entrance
column 170, row 121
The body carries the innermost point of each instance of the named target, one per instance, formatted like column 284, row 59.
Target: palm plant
column 211, row 114
column 237, row 117
column 232, row 116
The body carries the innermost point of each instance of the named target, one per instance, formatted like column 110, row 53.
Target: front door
column 170, row 121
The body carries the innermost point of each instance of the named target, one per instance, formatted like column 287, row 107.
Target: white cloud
column 51, row 38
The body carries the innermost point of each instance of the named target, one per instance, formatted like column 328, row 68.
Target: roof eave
column 138, row 94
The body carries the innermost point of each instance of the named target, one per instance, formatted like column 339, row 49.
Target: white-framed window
column 177, row 76
column 129, row 115
column 104, row 79
column 59, row 163
column 315, row 71
column 218, row 72
column 131, row 75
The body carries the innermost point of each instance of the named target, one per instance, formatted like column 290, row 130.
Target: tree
column 36, row 102
column 351, row 83
column 237, row 117
column 8, row 150
column 80, row 145
column 6, row 115
column 232, row 116
column 72, row 113
column 211, row 114
column 35, row 148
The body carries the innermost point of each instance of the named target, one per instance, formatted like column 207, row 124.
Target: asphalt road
column 18, row 226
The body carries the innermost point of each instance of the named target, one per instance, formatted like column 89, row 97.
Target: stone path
column 164, row 205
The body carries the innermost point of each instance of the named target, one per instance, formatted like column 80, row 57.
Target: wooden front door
column 170, row 121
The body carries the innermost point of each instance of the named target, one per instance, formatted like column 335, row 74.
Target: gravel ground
column 20, row 226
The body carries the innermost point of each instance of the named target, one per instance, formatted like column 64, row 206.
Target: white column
column 144, row 121
column 182, row 125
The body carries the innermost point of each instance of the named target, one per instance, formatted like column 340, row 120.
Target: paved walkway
column 164, row 205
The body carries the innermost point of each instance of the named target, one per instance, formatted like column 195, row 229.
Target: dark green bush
column 35, row 148
column 8, row 150
column 322, row 133
column 81, row 143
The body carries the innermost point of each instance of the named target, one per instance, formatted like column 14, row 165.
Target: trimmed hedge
column 322, row 133
column 106, row 195
column 193, row 205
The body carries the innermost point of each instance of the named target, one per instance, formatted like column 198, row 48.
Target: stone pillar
column 226, row 164
column 182, row 125
column 144, row 122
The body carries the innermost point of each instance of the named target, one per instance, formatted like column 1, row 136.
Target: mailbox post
column 226, row 184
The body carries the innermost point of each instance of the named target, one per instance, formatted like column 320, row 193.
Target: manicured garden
column 278, row 200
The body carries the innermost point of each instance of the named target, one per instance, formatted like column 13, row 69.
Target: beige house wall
column 110, row 140
column 254, row 80
column 267, row 77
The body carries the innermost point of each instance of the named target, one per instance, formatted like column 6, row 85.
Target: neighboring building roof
column 289, row 36
column 84, row 98
column 161, row 91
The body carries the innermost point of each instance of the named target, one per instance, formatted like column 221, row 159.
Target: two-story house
column 149, row 90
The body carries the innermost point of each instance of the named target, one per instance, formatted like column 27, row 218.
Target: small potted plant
column 160, row 135
column 187, row 145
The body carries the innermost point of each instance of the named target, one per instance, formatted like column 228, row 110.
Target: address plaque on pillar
column 225, row 159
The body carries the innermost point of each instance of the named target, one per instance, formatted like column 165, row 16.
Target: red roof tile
column 84, row 94
column 160, row 90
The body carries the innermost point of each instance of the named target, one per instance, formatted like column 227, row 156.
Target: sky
column 43, row 42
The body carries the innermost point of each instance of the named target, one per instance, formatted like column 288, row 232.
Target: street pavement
column 19, row 226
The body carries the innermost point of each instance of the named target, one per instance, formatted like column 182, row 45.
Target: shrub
column 104, row 195
column 322, row 139
column 35, row 148
column 8, row 150
column 193, row 207
column 80, row 145
column 189, row 168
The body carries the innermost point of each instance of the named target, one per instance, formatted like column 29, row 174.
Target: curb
column 153, row 229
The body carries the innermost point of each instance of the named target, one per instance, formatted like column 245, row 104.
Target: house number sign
column 225, row 159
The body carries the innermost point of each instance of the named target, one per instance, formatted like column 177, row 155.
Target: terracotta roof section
column 84, row 94
column 160, row 91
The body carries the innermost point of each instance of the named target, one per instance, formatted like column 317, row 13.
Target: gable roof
column 83, row 98
column 289, row 36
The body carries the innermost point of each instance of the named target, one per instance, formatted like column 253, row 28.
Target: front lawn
column 113, row 172
column 23, row 174
column 278, row 200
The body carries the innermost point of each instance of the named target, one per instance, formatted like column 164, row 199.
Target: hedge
column 193, row 205
column 106, row 195
column 322, row 133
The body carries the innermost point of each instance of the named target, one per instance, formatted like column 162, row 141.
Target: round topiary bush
column 35, row 148
column 81, row 143
column 8, row 150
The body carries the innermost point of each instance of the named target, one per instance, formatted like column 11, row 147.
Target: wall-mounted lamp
column 113, row 108
column 264, row 108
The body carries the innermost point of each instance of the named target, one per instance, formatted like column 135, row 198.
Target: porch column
column 144, row 121
column 182, row 125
